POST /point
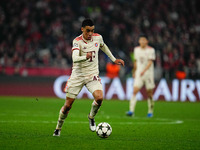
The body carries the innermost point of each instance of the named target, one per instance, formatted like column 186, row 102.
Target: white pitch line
column 132, row 120
column 85, row 122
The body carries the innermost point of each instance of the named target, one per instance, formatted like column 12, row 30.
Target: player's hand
column 89, row 55
column 119, row 62
column 133, row 74
column 142, row 73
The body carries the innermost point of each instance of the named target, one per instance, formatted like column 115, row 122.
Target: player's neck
column 86, row 39
column 143, row 47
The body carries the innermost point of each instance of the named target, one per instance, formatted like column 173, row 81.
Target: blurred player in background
column 143, row 74
column 85, row 72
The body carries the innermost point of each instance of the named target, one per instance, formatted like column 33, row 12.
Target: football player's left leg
column 61, row 119
column 63, row 115
column 150, row 103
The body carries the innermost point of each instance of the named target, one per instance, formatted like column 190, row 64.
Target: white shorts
column 74, row 86
column 148, row 81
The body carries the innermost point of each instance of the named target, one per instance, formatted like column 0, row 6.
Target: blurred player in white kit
column 143, row 74
column 85, row 72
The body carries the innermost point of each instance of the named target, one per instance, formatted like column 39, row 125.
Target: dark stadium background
column 35, row 55
column 36, row 37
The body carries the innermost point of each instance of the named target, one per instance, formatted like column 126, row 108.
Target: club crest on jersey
column 96, row 44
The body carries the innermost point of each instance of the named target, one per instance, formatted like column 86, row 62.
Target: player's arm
column 106, row 50
column 147, row 67
column 135, row 61
column 76, row 58
column 75, row 53
column 134, row 68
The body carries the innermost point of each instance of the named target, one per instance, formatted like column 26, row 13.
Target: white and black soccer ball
column 103, row 130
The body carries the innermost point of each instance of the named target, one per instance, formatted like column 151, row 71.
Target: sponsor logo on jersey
column 96, row 44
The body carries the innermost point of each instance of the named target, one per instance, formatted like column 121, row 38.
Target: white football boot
column 92, row 124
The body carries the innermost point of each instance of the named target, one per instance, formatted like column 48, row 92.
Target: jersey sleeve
column 135, row 54
column 75, row 45
column 106, row 50
column 76, row 58
column 152, row 55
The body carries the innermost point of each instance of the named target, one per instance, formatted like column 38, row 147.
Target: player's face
column 143, row 42
column 87, row 32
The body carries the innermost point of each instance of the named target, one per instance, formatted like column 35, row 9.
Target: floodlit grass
column 28, row 123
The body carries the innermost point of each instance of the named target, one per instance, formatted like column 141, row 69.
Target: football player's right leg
column 133, row 102
column 63, row 115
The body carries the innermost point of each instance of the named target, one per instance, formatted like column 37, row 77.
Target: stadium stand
column 39, row 33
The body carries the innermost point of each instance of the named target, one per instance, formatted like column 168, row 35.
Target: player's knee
column 99, row 97
column 136, row 90
column 150, row 94
column 135, row 93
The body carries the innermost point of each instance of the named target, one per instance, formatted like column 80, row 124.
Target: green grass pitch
column 28, row 123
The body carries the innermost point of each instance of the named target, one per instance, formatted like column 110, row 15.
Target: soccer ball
column 103, row 130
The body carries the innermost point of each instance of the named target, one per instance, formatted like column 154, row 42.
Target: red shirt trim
column 79, row 38
column 75, row 49
column 95, row 34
